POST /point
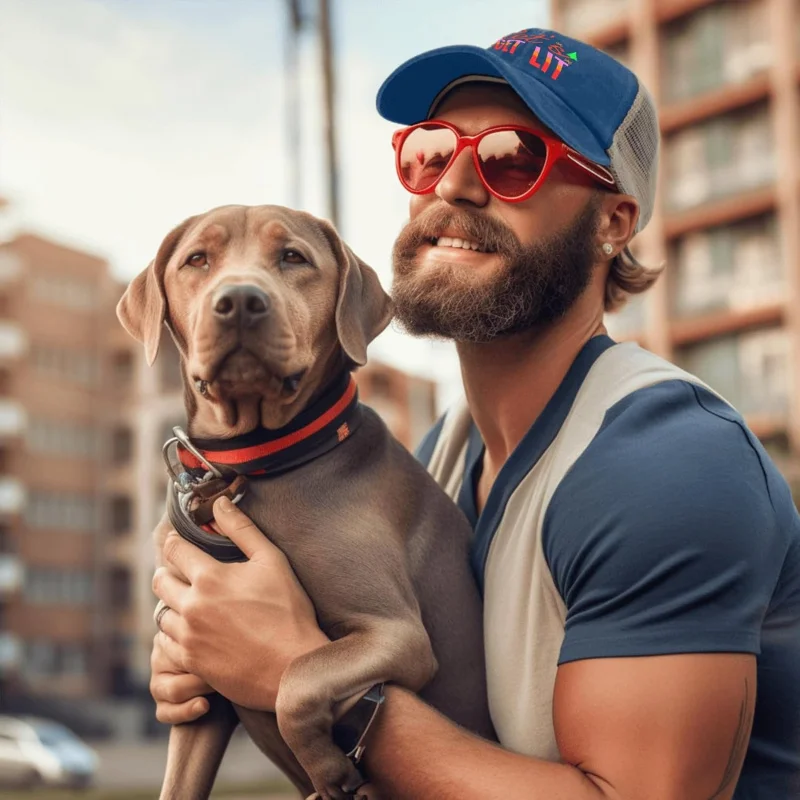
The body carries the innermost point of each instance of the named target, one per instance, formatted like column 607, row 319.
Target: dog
column 271, row 312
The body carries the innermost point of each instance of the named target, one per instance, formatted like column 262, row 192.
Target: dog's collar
column 327, row 422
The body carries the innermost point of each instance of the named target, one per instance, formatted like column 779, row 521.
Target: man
column 638, row 552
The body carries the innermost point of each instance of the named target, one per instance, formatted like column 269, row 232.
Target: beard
column 536, row 284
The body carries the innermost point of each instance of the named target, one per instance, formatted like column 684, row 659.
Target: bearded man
column 638, row 552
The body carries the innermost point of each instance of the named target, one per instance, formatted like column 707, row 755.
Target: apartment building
column 726, row 78
column 62, row 592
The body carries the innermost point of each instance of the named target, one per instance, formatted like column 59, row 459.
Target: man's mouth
column 458, row 244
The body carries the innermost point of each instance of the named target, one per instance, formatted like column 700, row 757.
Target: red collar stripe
column 244, row 455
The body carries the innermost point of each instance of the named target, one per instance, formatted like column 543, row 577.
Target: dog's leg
column 315, row 688
column 196, row 750
column 263, row 730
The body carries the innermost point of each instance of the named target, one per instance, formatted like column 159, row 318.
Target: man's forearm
column 415, row 752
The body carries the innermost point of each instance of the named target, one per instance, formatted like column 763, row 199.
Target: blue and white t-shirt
column 638, row 516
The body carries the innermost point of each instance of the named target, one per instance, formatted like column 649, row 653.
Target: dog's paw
column 337, row 779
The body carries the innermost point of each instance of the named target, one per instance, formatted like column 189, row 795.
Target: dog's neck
column 214, row 417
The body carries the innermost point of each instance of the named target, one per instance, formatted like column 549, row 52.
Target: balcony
column 719, row 159
column 11, row 573
column 12, row 496
column 750, row 370
column 10, row 267
column 13, row 419
column 603, row 24
column 721, row 100
column 10, row 652
column 13, row 341
column 721, row 44
column 735, row 268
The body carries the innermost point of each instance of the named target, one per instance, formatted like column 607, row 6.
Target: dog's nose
column 246, row 304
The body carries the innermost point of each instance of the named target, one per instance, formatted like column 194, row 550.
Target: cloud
column 112, row 129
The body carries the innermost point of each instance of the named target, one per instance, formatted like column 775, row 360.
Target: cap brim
column 408, row 94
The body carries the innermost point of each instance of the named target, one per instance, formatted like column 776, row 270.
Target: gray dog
column 271, row 311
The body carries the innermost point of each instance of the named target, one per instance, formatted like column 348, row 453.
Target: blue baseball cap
column 587, row 98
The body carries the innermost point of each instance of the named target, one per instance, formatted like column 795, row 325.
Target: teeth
column 454, row 241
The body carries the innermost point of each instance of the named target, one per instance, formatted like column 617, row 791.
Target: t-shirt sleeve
column 662, row 538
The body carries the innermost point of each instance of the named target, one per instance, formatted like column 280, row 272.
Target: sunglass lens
column 424, row 156
column 511, row 161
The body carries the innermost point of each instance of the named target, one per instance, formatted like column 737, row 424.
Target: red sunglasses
column 512, row 162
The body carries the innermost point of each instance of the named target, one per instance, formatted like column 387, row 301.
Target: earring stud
column 608, row 248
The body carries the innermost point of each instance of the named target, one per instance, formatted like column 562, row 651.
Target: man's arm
column 661, row 728
column 658, row 727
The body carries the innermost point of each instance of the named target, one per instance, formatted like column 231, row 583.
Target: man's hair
column 628, row 276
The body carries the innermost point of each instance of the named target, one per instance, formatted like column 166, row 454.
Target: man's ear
column 363, row 309
column 143, row 308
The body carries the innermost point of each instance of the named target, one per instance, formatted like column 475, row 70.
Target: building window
column 71, row 293
column 61, row 511
column 121, row 445
column 40, row 657
column 63, row 438
column 751, row 370
column 724, row 43
column 725, row 155
column 123, row 365
column 121, row 514
column 120, row 588
column 74, row 366
column 51, row 586
column 45, row 658
column 732, row 267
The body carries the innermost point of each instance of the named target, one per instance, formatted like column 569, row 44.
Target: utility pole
column 328, row 85
column 292, row 86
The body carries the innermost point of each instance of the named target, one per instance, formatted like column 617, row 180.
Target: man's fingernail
column 199, row 708
column 224, row 504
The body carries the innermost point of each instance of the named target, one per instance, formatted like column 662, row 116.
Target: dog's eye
column 293, row 258
column 199, row 260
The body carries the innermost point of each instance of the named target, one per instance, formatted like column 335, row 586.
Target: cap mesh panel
column 634, row 154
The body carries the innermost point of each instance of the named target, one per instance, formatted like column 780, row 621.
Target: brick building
column 726, row 78
column 63, row 583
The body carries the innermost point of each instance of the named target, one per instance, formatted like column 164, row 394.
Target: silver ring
column 160, row 615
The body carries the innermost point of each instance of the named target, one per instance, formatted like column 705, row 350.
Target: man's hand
column 178, row 695
column 235, row 626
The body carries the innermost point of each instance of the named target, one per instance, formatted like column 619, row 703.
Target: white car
column 38, row 752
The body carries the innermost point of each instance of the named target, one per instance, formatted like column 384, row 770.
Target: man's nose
column 461, row 184
column 240, row 304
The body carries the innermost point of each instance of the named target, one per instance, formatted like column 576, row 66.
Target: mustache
column 490, row 233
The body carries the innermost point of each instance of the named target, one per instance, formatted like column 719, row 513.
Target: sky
column 120, row 118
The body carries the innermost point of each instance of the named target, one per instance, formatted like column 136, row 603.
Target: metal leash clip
column 184, row 482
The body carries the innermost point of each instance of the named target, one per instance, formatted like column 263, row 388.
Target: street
column 141, row 765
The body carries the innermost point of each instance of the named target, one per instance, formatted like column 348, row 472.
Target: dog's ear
column 363, row 309
column 143, row 308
